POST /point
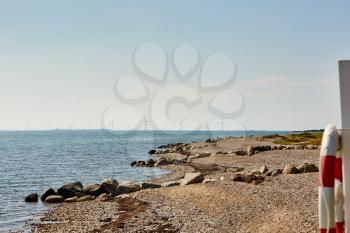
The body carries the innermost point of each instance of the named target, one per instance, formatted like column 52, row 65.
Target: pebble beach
column 234, row 184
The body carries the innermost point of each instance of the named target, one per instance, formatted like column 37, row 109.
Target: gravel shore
column 284, row 203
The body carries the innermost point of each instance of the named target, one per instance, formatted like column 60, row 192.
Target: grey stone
column 33, row 197
column 109, row 185
column 54, row 199
column 192, row 178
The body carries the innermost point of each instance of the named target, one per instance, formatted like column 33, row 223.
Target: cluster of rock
column 257, row 176
column 75, row 192
column 252, row 150
column 156, row 163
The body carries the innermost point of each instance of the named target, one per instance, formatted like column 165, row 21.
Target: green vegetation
column 303, row 138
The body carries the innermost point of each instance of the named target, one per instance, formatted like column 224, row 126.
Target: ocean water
column 31, row 161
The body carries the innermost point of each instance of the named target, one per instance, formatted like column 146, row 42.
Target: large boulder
column 248, row 177
column 71, row 199
column 47, row 192
column 192, row 178
column 54, row 199
column 109, row 185
column 307, row 167
column 93, row 189
column 241, row 152
column 124, row 188
column 85, row 198
column 290, row 169
column 146, row 185
column 70, row 189
column 171, row 183
column 263, row 169
column 33, row 197
column 250, row 150
column 151, row 152
column 237, row 177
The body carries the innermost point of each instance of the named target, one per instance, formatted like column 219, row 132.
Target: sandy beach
column 277, row 203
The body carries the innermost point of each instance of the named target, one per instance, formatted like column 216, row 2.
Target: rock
column 290, row 169
column 102, row 198
column 85, row 198
column 125, row 188
column 256, row 172
column 93, row 189
column 33, row 197
column 237, row 177
column 133, row 163
column 146, row 185
column 150, row 162
column 276, row 172
column 250, row 150
column 263, row 169
column 307, row 167
column 298, row 147
column 210, row 140
column 70, row 189
column 256, row 182
column 260, row 177
column 219, row 152
column 141, row 163
column 192, row 178
column 241, row 152
column 47, row 193
column 54, row 199
column 161, row 162
column 171, row 183
column 209, row 180
column 71, row 199
column 281, row 147
column 248, row 178
column 109, row 185
column 203, row 155
column 257, row 152
column 274, row 147
column 151, row 152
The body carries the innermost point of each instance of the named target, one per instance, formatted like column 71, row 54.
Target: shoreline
column 169, row 209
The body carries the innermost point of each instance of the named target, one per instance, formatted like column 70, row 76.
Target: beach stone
column 102, row 198
column 307, row 167
column 71, row 199
column 70, row 189
column 109, row 185
column 203, row 155
column 192, row 178
column 209, row 180
column 93, row 189
column 85, row 198
column 146, row 185
column 150, row 162
column 151, row 152
column 237, row 177
column 133, row 163
column 290, row 169
column 161, row 162
column 298, row 147
column 171, row 183
column 276, row 172
column 281, row 147
column 219, row 152
column 256, row 182
column 33, row 197
column 125, row 188
column 256, row 172
column 263, row 169
column 141, row 163
column 248, row 178
column 48, row 192
column 250, row 150
column 241, row 152
column 54, row 199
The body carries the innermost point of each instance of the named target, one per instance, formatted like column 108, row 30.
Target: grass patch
column 303, row 138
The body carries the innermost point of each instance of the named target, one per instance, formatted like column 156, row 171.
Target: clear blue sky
column 59, row 59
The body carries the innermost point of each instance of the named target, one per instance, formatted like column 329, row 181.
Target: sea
column 32, row 161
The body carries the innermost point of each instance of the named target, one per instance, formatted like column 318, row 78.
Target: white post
column 344, row 75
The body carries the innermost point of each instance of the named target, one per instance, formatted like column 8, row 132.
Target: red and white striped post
column 327, row 179
column 338, row 192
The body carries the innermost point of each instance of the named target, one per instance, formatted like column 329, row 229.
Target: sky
column 69, row 64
